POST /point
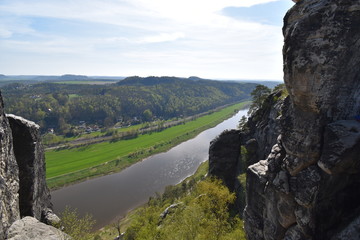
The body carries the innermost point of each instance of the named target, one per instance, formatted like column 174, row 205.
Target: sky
column 216, row 39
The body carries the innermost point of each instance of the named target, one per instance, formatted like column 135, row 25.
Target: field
column 76, row 164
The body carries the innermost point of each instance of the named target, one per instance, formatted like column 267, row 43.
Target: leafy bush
column 75, row 226
column 203, row 213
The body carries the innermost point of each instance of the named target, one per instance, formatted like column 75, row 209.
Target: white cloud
column 149, row 36
column 162, row 37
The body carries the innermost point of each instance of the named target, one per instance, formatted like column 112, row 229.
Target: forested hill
column 134, row 99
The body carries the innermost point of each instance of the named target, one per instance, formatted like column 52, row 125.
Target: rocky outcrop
column 263, row 128
column 23, row 189
column 9, row 177
column 34, row 195
column 224, row 154
column 307, row 187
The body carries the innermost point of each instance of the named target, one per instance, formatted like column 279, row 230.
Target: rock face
column 9, row 180
column 307, row 187
column 224, row 154
column 23, row 189
column 34, row 195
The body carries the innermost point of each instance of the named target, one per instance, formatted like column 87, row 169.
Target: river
column 112, row 196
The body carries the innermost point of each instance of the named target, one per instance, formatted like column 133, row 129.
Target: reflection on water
column 109, row 197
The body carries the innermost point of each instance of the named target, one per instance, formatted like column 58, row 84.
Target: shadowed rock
column 9, row 180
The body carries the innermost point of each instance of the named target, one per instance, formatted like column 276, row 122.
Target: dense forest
column 61, row 107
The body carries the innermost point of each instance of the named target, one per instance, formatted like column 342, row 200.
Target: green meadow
column 71, row 165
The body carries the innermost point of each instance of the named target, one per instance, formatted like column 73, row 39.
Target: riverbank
column 110, row 231
column 68, row 166
column 115, row 133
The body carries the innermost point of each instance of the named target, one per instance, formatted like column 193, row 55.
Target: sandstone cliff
column 23, row 190
column 307, row 186
column 304, row 151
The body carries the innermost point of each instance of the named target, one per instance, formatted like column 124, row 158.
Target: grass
column 76, row 164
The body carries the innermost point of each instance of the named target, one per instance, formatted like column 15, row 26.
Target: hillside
column 61, row 107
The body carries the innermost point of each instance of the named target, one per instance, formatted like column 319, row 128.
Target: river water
column 112, row 196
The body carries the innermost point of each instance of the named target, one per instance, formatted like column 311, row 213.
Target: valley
column 78, row 163
column 118, row 193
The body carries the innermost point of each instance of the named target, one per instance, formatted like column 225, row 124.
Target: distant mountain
column 71, row 77
column 268, row 83
column 148, row 81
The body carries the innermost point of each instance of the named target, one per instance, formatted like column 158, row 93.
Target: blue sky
column 227, row 39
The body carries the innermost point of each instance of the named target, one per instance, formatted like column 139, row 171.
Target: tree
column 148, row 115
column 242, row 123
column 76, row 227
column 259, row 94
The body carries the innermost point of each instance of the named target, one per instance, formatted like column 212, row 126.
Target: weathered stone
column 264, row 128
column 252, row 147
column 317, row 127
column 9, row 181
column 321, row 51
column 320, row 55
column 341, row 150
column 286, row 207
column 272, row 227
column 256, row 178
column 169, row 209
column 306, row 187
column 254, row 224
column 295, row 233
column 281, row 182
column 305, row 219
column 29, row 228
column 224, row 155
column 351, row 231
column 34, row 194
column 301, row 139
column 49, row 217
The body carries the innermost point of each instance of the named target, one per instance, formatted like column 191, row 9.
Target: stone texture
column 286, row 208
column 263, row 128
column 28, row 228
column 34, row 194
column 295, row 233
column 224, row 154
column 308, row 183
column 306, row 186
column 9, row 181
column 351, row 231
column 341, row 147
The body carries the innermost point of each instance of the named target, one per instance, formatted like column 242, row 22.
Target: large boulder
column 28, row 228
